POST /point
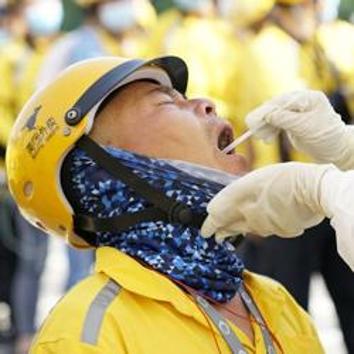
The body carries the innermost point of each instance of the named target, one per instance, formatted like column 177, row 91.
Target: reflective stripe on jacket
column 127, row 308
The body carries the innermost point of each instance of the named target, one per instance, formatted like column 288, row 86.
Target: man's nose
column 204, row 107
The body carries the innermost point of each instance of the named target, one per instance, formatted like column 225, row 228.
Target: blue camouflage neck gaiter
column 180, row 252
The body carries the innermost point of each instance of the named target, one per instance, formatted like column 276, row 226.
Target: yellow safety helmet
column 52, row 123
column 247, row 12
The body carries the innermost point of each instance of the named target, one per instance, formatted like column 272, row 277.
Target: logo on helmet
column 31, row 121
column 39, row 135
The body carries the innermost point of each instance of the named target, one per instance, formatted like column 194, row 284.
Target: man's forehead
column 166, row 90
column 134, row 90
column 141, row 89
column 150, row 87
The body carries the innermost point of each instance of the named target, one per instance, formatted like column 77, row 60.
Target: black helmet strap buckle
column 164, row 208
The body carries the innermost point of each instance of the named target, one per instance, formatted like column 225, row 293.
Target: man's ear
column 105, row 118
column 101, row 131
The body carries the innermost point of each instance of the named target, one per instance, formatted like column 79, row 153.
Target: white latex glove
column 311, row 124
column 284, row 200
column 281, row 199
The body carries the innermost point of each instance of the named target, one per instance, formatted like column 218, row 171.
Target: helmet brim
column 169, row 70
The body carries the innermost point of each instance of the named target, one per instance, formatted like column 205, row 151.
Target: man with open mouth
column 111, row 155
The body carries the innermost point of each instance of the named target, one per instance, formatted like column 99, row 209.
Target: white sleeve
column 338, row 201
column 346, row 160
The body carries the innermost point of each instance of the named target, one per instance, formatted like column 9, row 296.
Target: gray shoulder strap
column 96, row 312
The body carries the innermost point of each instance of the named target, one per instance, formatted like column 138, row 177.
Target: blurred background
column 240, row 53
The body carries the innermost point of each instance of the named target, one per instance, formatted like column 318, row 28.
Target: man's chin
column 235, row 164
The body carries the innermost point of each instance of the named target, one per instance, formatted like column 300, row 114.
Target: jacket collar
column 136, row 278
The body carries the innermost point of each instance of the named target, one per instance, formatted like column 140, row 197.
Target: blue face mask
column 44, row 18
column 117, row 16
column 176, row 250
column 191, row 5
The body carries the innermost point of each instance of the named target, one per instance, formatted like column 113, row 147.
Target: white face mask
column 192, row 5
column 4, row 36
column 117, row 16
column 225, row 7
column 330, row 10
column 44, row 17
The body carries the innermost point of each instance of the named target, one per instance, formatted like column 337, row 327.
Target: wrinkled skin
column 156, row 121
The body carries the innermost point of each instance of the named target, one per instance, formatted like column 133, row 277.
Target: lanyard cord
column 225, row 330
column 195, row 294
column 259, row 320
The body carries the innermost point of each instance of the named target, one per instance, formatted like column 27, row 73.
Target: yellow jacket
column 281, row 64
column 28, row 69
column 337, row 40
column 9, row 56
column 148, row 313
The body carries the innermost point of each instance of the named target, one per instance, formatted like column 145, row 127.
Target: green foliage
column 73, row 15
column 346, row 10
column 162, row 5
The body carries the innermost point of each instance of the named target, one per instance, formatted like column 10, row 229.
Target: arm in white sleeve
column 345, row 161
column 284, row 200
column 337, row 199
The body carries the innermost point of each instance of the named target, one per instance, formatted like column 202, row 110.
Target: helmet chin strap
column 163, row 208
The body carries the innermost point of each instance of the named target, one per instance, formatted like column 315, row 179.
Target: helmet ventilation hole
column 66, row 131
column 28, row 189
column 38, row 224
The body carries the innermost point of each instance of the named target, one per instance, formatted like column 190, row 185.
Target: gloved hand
column 284, row 200
column 311, row 124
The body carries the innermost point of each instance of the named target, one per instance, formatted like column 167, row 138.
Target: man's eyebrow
column 166, row 90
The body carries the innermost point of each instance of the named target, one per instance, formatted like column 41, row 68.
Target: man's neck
column 236, row 312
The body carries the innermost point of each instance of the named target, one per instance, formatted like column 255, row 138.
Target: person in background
column 110, row 27
column 8, row 262
column 247, row 19
column 193, row 31
column 336, row 37
column 12, row 47
column 37, row 22
column 296, row 61
column 43, row 21
column 8, row 255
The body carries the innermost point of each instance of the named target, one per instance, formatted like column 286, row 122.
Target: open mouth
column 225, row 138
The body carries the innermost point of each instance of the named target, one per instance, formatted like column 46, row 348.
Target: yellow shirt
column 150, row 314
